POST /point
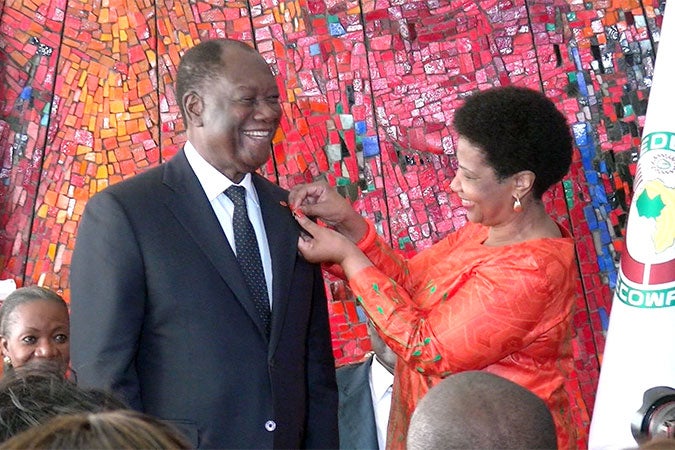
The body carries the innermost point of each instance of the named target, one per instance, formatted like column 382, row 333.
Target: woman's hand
column 324, row 245
column 322, row 201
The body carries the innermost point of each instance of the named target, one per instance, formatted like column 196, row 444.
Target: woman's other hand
column 322, row 201
column 324, row 245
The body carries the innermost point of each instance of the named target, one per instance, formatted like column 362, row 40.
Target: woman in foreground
column 35, row 330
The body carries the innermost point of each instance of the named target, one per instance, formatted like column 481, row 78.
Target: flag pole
column 639, row 352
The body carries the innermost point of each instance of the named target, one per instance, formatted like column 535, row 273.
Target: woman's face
column 487, row 200
column 38, row 331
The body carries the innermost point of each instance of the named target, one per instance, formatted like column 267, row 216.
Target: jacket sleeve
column 107, row 299
column 322, row 420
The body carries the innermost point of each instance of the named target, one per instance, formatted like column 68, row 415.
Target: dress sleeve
column 496, row 310
column 385, row 258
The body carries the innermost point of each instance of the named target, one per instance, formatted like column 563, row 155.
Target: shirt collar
column 213, row 182
column 381, row 378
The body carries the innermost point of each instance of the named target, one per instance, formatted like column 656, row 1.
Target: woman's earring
column 517, row 206
column 7, row 360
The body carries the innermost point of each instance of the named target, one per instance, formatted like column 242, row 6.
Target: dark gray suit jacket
column 356, row 416
column 161, row 315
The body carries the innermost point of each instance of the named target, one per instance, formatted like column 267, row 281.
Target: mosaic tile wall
column 368, row 87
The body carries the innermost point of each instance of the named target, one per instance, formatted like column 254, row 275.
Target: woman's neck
column 532, row 223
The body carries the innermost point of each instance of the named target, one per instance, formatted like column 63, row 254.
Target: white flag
column 640, row 348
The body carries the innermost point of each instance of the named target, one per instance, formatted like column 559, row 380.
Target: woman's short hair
column 518, row 129
column 105, row 430
column 24, row 295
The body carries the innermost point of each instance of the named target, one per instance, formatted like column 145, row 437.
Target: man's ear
column 194, row 107
column 523, row 182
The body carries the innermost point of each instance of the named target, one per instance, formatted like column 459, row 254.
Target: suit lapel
column 282, row 237
column 192, row 209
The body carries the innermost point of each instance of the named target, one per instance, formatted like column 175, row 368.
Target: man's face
column 238, row 116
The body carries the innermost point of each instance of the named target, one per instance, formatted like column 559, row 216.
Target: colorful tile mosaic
column 368, row 88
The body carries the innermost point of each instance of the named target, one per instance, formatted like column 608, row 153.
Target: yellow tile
column 83, row 79
column 116, row 106
column 101, row 184
column 152, row 57
column 61, row 216
column 42, row 211
column 108, row 132
column 137, row 108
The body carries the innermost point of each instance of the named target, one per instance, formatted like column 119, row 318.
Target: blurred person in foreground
column 32, row 395
column 109, row 430
column 165, row 311
column 497, row 295
column 34, row 329
column 479, row 410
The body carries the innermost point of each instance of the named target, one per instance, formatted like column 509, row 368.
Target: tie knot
column 237, row 194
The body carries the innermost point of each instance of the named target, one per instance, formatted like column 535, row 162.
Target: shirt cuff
column 368, row 238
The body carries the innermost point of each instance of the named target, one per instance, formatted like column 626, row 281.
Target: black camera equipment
column 656, row 416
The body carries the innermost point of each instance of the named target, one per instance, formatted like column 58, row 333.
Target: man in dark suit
column 163, row 309
column 365, row 397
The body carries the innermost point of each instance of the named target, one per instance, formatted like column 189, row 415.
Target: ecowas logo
column 647, row 272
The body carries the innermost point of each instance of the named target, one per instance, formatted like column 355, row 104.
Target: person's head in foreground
column 121, row 429
column 29, row 396
column 479, row 410
column 513, row 145
column 34, row 328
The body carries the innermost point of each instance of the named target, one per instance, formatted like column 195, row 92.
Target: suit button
column 270, row 425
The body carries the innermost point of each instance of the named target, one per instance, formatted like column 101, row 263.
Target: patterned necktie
column 248, row 254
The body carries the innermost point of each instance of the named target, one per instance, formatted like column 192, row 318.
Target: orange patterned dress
column 460, row 305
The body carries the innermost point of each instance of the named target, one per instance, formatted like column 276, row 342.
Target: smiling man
column 188, row 295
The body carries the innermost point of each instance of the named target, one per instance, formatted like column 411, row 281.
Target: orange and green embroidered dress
column 460, row 305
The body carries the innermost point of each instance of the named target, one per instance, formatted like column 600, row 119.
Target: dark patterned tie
column 248, row 254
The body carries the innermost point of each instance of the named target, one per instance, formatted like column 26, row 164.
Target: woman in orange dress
column 497, row 295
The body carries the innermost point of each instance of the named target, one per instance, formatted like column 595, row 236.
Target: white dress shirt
column 381, row 381
column 214, row 184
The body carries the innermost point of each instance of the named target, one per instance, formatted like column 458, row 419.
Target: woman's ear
column 3, row 345
column 523, row 182
column 193, row 106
